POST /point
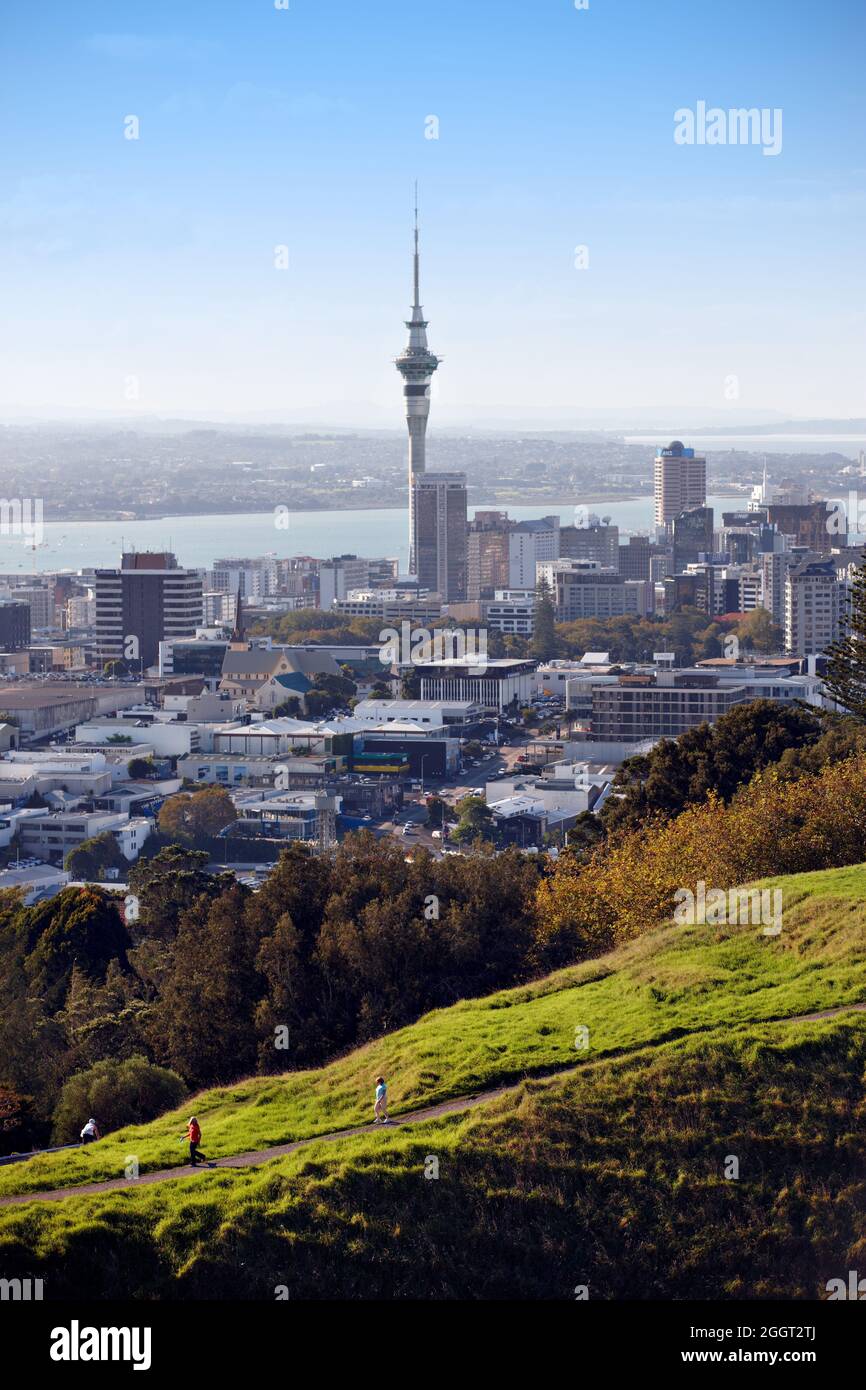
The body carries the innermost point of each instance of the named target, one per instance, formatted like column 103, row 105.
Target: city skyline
column 234, row 255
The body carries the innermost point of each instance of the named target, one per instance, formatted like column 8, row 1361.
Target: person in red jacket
column 193, row 1134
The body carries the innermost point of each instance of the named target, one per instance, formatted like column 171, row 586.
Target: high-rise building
column 813, row 606
column 595, row 541
column 634, row 558
column 680, row 482
column 438, row 516
column 487, row 554
column 256, row 578
column 818, row 525
column 149, row 600
column 531, row 543
column 339, row 575
column 692, row 537
column 14, row 625
column 774, row 566
column 416, row 364
column 582, row 589
column 39, row 596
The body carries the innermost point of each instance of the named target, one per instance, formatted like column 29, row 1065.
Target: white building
column 813, row 607
column 168, row 739
column 512, row 611
column 51, row 835
column 427, row 713
column 530, row 543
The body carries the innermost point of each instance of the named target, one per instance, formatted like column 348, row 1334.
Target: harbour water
column 199, row 540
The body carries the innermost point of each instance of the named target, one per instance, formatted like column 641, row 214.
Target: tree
column 289, row 709
column 80, row 926
column 437, row 811
column 411, row 684
column 166, row 886
column 203, row 1024
column 197, row 816
column 116, row 1093
column 845, row 678
column 340, row 688
column 757, row 631
column 119, row 738
column 140, row 768
column 544, row 644
column 711, row 758
column 475, row 819
column 318, row 703
column 17, row 1128
column 91, row 858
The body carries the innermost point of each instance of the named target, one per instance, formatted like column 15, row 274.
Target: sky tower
column 416, row 364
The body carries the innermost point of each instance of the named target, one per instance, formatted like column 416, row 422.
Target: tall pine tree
column 845, row 679
column 543, row 645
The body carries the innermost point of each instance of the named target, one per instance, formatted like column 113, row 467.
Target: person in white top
column 90, row 1132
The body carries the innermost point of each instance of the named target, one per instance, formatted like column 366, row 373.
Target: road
column 452, row 790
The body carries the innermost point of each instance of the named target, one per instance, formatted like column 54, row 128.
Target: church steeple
column 237, row 641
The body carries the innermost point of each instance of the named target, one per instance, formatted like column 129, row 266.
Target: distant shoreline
column 118, row 518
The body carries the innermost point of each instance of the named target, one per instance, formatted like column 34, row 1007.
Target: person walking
column 193, row 1135
column 380, row 1109
column 90, row 1132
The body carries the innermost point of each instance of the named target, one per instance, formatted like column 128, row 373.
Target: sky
column 142, row 276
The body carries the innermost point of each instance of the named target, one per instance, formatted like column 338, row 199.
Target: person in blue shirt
column 380, row 1109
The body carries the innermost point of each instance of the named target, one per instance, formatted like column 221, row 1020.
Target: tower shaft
column 416, row 364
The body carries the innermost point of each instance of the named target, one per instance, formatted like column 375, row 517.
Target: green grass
column 612, row 1176
column 673, row 981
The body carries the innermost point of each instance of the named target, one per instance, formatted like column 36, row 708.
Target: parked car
column 437, row 834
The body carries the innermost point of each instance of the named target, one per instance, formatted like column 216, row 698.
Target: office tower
column 813, row 607
column 39, row 597
column 343, row 573
column 581, row 589
column 634, row 558
column 416, row 364
column 438, row 518
column 14, row 625
column 818, row 525
column 680, row 482
column 692, row 537
column 149, row 600
column 592, row 542
column 487, row 554
column 80, row 610
column 774, row 566
column 257, row 578
column 530, row 543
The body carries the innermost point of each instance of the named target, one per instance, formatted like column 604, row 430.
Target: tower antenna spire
column 417, row 300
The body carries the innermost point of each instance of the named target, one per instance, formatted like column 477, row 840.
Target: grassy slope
column 612, row 1176
column 673, row 981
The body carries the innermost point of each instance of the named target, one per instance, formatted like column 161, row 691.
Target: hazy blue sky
column 153, row 258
